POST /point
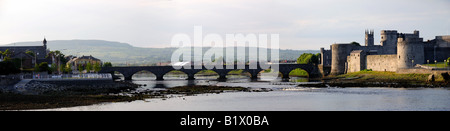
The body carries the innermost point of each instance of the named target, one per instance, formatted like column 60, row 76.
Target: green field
column 387, row 76
column 438, row 65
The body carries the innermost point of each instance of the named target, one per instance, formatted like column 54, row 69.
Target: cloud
column 151, row 23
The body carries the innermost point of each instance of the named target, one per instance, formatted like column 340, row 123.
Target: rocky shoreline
column 51, row 94
column 374, row 81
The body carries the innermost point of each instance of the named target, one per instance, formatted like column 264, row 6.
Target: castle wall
column 382, row 62
column 443, row 41
column 439, row 54
column 325, row 59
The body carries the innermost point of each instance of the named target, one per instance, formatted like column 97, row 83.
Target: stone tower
column 339, row 53
column 389, row 41
column 410, row 51
column 369, row 38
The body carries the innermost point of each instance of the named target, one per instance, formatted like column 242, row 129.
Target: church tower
column 45, row 43
column 369, row 38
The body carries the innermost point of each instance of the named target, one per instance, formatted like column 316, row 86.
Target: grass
column 438, row 65
column 368, row 78
column 384, row 76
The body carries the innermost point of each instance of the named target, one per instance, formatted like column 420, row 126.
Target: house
column 83, row 61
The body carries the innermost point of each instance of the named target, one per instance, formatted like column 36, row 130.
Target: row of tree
column 88, row 67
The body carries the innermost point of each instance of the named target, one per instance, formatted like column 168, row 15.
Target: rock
column 446, row 76
column 430, row 78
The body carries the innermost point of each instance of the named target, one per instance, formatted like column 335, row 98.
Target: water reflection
column 149, row 82
column 286, row 96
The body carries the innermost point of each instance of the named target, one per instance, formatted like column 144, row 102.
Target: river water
column 284, row 97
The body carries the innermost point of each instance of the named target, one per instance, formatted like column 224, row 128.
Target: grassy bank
column 381, row 79
column 384, row 76
column 438, row 65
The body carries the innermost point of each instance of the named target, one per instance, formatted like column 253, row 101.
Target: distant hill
column 121, row 53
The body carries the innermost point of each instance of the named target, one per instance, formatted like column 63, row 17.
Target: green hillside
column 121, row 53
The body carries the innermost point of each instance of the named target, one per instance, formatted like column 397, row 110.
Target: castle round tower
column 339, row 53
column 410, row 51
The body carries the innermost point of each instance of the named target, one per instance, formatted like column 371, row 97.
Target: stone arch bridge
column 160, row 71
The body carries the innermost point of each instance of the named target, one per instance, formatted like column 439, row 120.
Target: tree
column 107, row 64
column 355, row 43
column 80, row 69
column 53, row 68
column 59, row 57
column 43, row 67
column 308, row 58
column 68, row 68
column 97, row 67
column 36, row 67
column 62, row 68
column 30, row 53
column 7, row 54
column 448, row 61
column 89, row 67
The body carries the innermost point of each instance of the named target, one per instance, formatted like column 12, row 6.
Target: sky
column 301, row 24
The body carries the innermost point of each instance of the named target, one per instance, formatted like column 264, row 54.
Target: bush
column 448, row 61
column 107, row 64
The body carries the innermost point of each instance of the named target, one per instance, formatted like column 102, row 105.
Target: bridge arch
column 143, row 75
column 175, row 74
column 238, row 73
column 207, row 73
column 117, row 75
column 299, row 72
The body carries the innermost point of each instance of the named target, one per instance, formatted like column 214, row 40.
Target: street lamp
column 435, row 63
column 445, row 63
column 412, row 63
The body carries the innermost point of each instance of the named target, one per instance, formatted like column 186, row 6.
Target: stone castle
column 396, row 51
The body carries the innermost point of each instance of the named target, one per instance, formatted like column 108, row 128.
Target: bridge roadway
column 160, row 71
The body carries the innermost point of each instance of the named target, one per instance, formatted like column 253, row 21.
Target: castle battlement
column 388, row 32
column 409, row 40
